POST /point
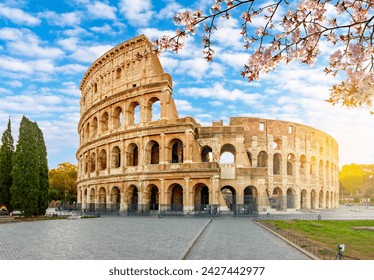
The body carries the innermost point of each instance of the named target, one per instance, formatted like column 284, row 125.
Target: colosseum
column 137, row 156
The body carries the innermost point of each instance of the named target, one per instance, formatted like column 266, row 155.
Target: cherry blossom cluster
column 294, row 32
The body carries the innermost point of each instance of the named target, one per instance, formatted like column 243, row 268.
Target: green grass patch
column 358, row 243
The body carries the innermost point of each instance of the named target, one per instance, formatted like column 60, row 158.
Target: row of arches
column 307, row 200
column 133, row 198
column 94, row 162
column 118, row 118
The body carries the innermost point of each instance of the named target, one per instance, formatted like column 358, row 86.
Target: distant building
column 136, row 154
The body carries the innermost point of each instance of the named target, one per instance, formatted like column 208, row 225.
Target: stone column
column 187, row 205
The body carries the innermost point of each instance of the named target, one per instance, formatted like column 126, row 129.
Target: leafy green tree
column 63, row 179
column 351, row 178
column 6, row 154
column 43, row 200
column 25, row 172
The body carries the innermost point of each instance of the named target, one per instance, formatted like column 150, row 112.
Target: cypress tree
column 6, row 154
column 43, row 199
column 25, row 172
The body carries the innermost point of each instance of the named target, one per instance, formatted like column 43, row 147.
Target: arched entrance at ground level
column 229, row 196
column 201, row 197
column 133, row 198
column 327, row 199
column 91, row 205
column 321, row 199
column 102, row 199
column 153, row 197
column 303, row 200
column 276, row 200
column 313, row 200
column 291, row 198
column 115, row 199
column 176, row 199
column 250, row 200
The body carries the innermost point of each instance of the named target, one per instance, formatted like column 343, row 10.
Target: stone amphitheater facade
column 137, row 155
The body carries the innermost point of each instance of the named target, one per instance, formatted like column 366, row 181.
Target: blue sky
column 46, row 46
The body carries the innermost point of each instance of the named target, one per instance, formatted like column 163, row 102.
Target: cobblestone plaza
column 141, row 238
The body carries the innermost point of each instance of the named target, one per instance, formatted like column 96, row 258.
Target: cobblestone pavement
column 241, row 239
column 140, row 238
column 102, row 238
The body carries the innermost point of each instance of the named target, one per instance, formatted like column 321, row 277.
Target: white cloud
column 23, row 42
column 70, row 88
column 138, row 13
column 106, row 29
column 185, row 106
column 89, row 53
column 63, row 19
column 5, row 91
column 219, row 92
column 71, row 69
column 18, row 16
column 101, row 10
column 169, row 10
column 69, row 44
column 15, row 65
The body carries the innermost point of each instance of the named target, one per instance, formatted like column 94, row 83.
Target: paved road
column 140, row 238
column 241, row 239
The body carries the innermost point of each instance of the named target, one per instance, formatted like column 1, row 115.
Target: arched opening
column 94, row 127
column 276, row 200
column 102, row 160
column 104, row 122
column 132, row 155
column 86, row 164
column 303, row 200
column 88, row 132
column 207, row 154
column 176, row 201
column 93, row 162
column 134, row 198
column 134, row 113
column 313, row 200
column 327, row 173
column 277, row 144
column 116, row 157
column 153, row 153
column 229, row 196
column 91, row 205
column 321, row 199
column 303, row 165
column 327, row 200
column 154, row 198
column 250, row 200
column 154, row 107
column 321, row 171
column 102, row 200
column 176, row 151
column 228, row 153
column 117, row 117
column 290, row 164
column 201, row 197
column 291, row 198
column 312, row 170
column 115, row 199
column 262, row 159
column 277, row 164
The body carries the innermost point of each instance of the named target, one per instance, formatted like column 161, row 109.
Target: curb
column 305, row 252
column 193, row 242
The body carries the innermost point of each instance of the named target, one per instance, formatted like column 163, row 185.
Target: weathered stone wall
column 136, row 152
